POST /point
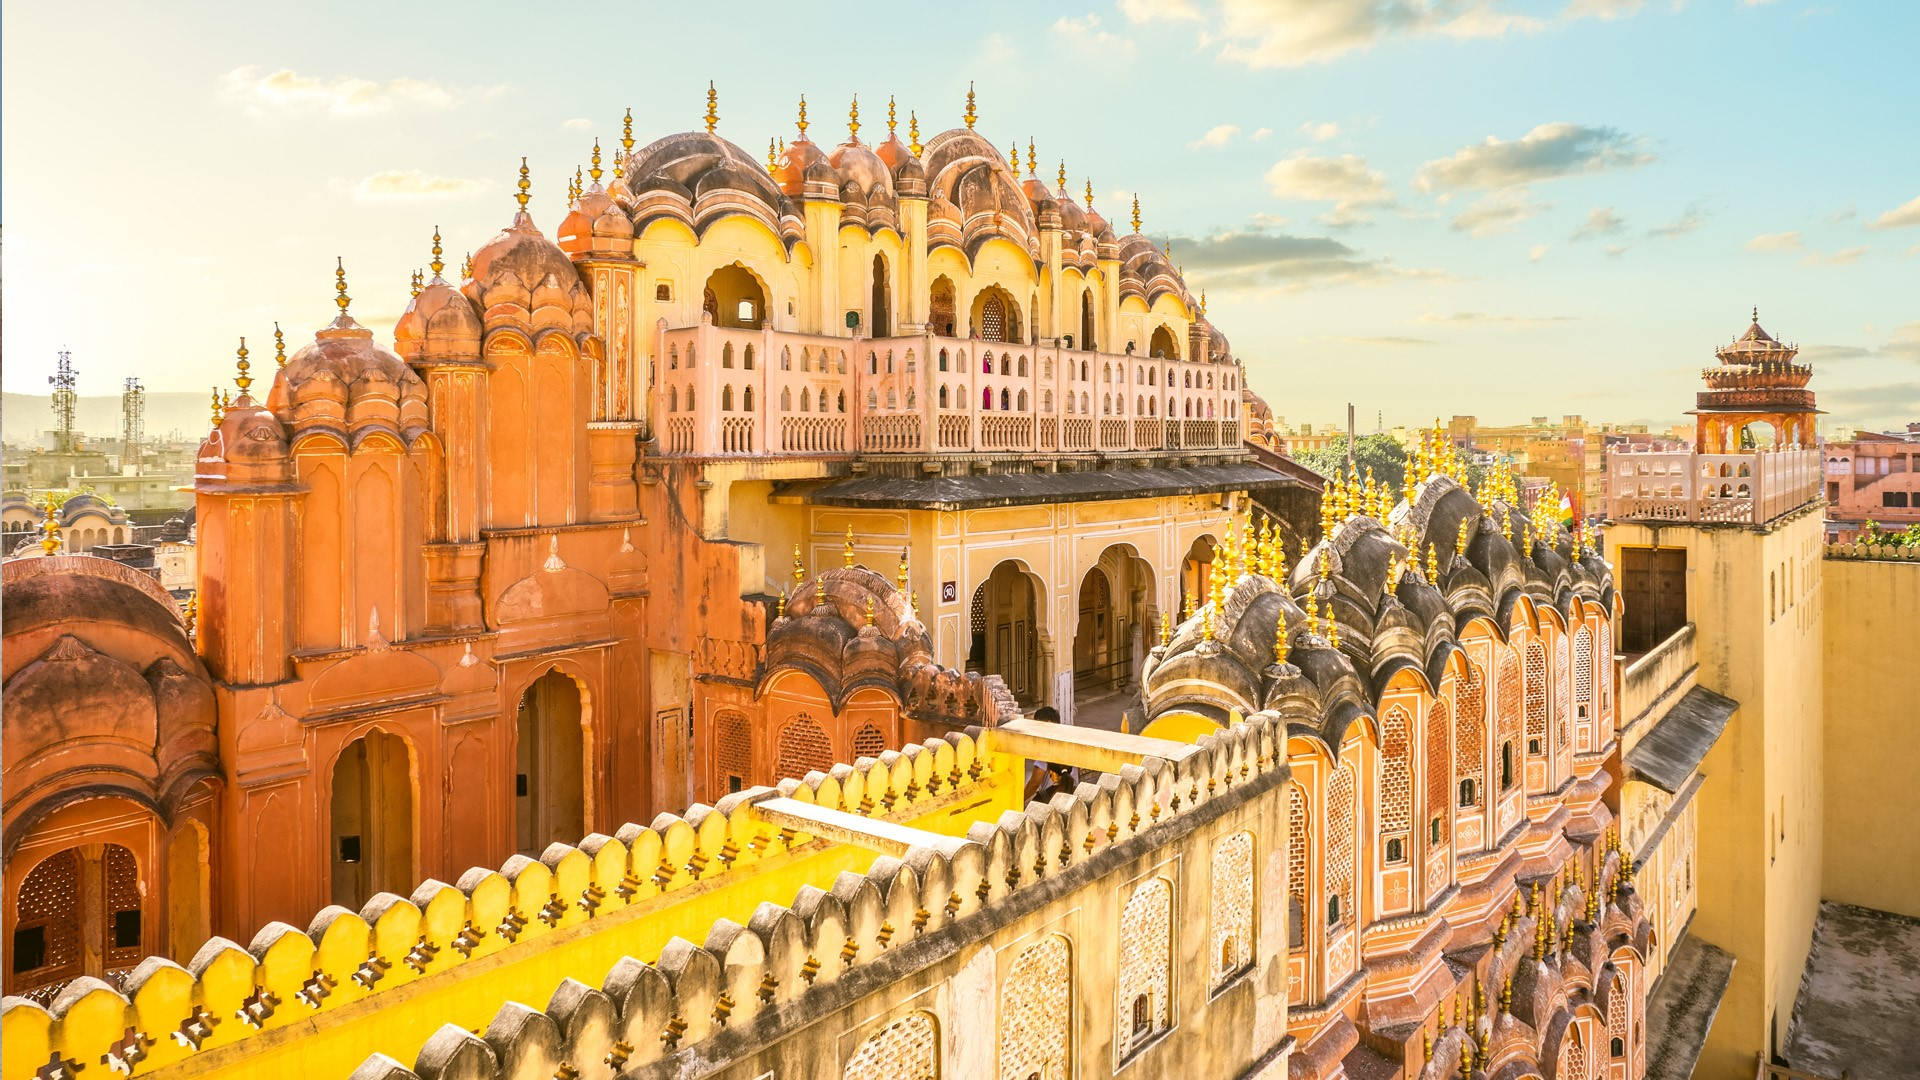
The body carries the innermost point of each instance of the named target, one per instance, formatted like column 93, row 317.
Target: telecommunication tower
column 64, row 400
column 133, row 425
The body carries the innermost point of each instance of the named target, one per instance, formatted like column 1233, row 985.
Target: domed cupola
column 521, row 278
column 903, row 159
column 862, row 175
column 350, row 384
column 439, row 323
column 248, row 445
column 597, row 225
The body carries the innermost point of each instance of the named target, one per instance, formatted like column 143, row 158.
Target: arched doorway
column 549, row 793
column 734, row 298
column 78, row 913
column 1093, row 667
column 1194, row 570
column 1086, row 321
column 881, row 302
column 1006, row 631
column 996, row 317
column 1162, row 344
column 940, row 308
column 371, row 824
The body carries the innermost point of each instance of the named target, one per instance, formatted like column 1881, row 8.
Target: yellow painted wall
column 1754, row 598
column 1872, row 772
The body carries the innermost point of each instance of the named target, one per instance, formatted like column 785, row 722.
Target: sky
column 1423, row 207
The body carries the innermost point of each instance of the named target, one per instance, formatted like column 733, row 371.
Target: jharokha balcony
column 1750, row 489
column 722, row 391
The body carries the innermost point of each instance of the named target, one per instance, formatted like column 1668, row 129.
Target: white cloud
column 1694, row 216
column 1269, row 221
column 1261, row 260
column 1085, row 34
column 1497, row 212
column 1141, row 11
column 1345, row 181
column 1846, row 257
column 1216, row 136
column 1601, row 221
column 260, row 92
column 1288, row 33
column 1536, row 252
column 1602, row 9
column 1547, row 152
column 1320, row 132
column 1900, row 217
column 412, row 184
column 1260, row 133
column 1780, row 241
column 578, row 123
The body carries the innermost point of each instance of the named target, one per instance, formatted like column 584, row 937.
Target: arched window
column 842, row 402
column 943, row 396
column 910, row 397
column 746, row 357
column 1146, row 962
column 1083, row 371
column 786, row 399
column 1006, row 363
column 726, row 398
column 943, row 359
column 673, row 399
column 806, row 402
column 869, row 741
column 803, row 747
column 1023, row 367
column 1396, row 779
column 1004, row 399
column 1086, row 404
column 1470, row 736
column 733, row 749
column 726, row 355
column 986, row 397
column 1341, row 853
column 673, row 358
column 1022, row 403
column 689, row 399
column 786, row 358
column 986, row 363
column 994, row 321
column 746, row 399
column 873, row 400
column 907, row 1047
column 1506, row 765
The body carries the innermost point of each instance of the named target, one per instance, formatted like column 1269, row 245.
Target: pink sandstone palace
column 747, row 536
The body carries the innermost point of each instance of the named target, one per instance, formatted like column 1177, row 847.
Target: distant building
column 1875, row 477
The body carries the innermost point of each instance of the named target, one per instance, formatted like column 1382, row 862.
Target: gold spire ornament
column 525, row 186
column 713, row 108
column 1089, row 192
column 226, row 403
column 242, row 380
column 780, row 606
column 901, row 579
column 279, row 347
column 1280, row 648
column 626, row 137
column 1166, row 630
column 594, row 171
column 869, row 609
column 1460, row 541
column 892, row 122
column 913, row 133
column 799, row 568
column 1136, row 212
column 340, row 297
column 970, row 116
column 1013, row 158
column 848, row 554
column 802, row 122
column 773, row 161
column 217, row 414
column 437, row 263
column 414, row 286
column 1033, row 161
column 50, row 525
column 466, row 268
column 853, row 121
column 1063, row 176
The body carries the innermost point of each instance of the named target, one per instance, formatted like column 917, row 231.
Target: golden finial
column 893, row 122
column 773, row 161
column 802, row 122
column 853, row 120
column 1033, row 160
column 217, row 414
column 226, row 403
column 192, row 611
column 1433, row 564
column 595, row 170
column 466, row 268
column 1280, row 637
column 1013, row 158
column 438, row 263
column 1426, row 1043
column 819, row 589
column 525, row 186
column 848, row 555
column 970, row 116
column 1460, row 541
column 1166, row 630
column 1089, row 192
column 913, row 133
column 869, row 609
column 242, row 380
column 626, row 138
column 1063, row 176
column 901, row 579
column 1136, row 212
column 579, row 184
column 414, row 286
column 279, row 347
column 713, row 107
column 50, row 525
column 799, row 568
column 1203, row 303
column 780, row 606
column 340, row 285
column 1506, row 995
column 1313, row 611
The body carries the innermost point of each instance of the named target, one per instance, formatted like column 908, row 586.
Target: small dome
column 440, row 323
column 682, row 161
column 796, row 164
column 896, row 154
column 521, row 277
column 855, row 163
column 522, row 254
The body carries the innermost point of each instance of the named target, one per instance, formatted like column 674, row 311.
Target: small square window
column 350, row 849
column 663, row 291
column 126, row 929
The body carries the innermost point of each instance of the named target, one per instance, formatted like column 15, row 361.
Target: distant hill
column 23, row 417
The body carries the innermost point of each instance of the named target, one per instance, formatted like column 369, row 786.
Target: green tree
column 1387, row 459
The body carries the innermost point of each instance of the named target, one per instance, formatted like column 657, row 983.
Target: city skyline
column 1318, row 175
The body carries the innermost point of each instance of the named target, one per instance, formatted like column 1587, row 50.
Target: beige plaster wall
column 1872, row 772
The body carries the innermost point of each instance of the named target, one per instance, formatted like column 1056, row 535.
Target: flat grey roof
column 1859, row 1004
column 1016, row 489
column 1674, row 747
column 1682, row 1007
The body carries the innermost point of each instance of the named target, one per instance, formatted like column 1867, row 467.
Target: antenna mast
column 133, row 426
column 64, row 399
